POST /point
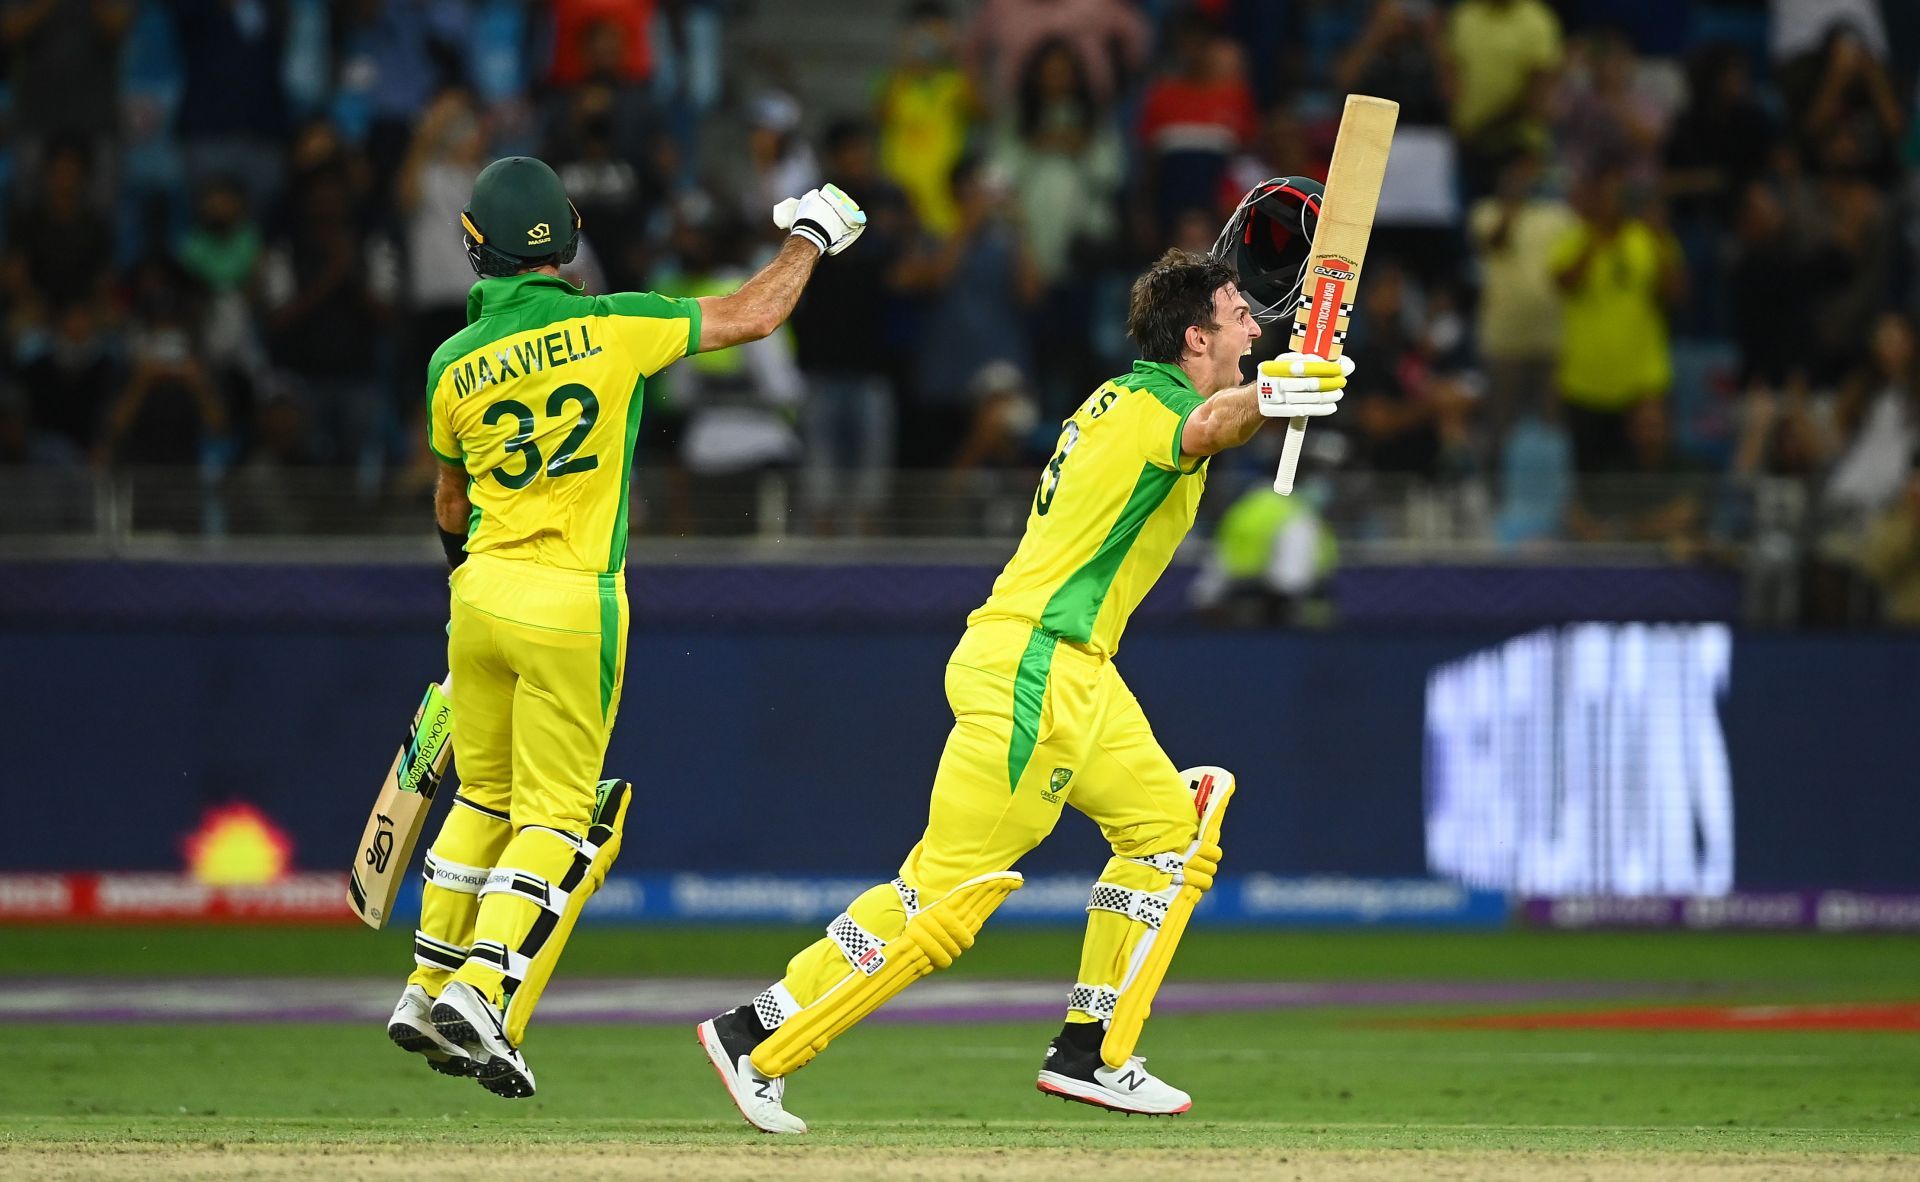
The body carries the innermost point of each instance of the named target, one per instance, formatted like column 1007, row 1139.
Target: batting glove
column 826, row 217
column 1296, row 384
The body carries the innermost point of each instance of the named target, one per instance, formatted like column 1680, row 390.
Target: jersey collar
column 490, row 297
column 1165, row 370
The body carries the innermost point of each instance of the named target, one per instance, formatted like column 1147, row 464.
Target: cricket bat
column 1339, row 246
column 386, row 847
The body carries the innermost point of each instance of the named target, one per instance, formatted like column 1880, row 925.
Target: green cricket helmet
column 1268, row 239
column 518, row 217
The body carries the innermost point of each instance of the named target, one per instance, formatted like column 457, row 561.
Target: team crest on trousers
column 1056, row 784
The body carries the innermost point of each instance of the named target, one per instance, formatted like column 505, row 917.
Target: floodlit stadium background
column 1588, row 597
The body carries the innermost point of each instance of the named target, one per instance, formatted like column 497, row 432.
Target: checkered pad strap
column 909, row 898
column 1148, row 907
column 512, row 965
column 863, row 949
column 775, row 1005
column 1169, row 863
column 1095, row 1001
column 452, row 876
column 430, row 953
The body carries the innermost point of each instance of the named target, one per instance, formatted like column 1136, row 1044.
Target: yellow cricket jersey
column 539, row 399
column 1112, row 506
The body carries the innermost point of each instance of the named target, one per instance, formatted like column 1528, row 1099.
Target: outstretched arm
column 1290, row 386
column 763, row 302
column 824, row 221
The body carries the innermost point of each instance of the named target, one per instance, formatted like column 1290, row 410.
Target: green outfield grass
column 1314, row 1093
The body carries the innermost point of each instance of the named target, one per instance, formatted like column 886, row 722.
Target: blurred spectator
column 1852, row 100
column 1606, row 120
column 1536, row 478
column 1192, row 121
column 1409, row 409
column 607, row 145
column 739, row 403
column 849, row 421
column 926, row 113
column 63, row 70
column 1617, row 272
column 266, row 485
column 1506, row 54
column 233, row 113
column 449, row 148
column 1879, row 415
column 779, row 162
column 222, row 252
column 170, row 412
column 60, row 246
column 1848, row 222
column 1280, row 147
column 1646, row 499
column 1722, row 140
column 1513, row 234
column 1891, row 556
column 70, row 382
column 1767, row 263
column 1402, row 55
column 1110, row 37
column 394, row 56
column 326, row 282
column 979, row 284
column 1271, row 563
column 988, row 483
column 631, row 23
column 1062, row 154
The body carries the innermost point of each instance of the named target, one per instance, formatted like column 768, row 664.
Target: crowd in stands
column 1643, row 270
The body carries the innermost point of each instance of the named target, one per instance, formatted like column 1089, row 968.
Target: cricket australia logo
column 1056, row 784
column 540, row 235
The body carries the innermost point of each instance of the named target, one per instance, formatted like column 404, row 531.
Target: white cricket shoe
column 468, row 1020
column 411, row 1029
column 729, row 1041
column 1074, row 1074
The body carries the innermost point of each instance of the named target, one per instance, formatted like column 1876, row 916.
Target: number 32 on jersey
column 566, row 461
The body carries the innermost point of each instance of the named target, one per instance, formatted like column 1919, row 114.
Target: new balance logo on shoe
column 1131, row 1079
column 763, row 1088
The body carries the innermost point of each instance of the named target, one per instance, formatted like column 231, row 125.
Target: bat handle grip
column 1290, row 455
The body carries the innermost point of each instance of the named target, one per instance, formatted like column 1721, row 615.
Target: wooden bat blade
column 401, row 809
column 1339, row 246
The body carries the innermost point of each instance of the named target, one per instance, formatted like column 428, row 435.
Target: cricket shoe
column 411, row 1029
column 1073, row 1074
column 729, row 1041
column 468, row 1020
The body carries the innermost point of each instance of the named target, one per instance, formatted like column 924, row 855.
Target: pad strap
column 431, row 953
column 909, row 898
column 453, row 876
column 1148, row 907
column 863, row 950
column 512, row 965
column 1095, row 1001
column 526, row 885
column 775, row 1005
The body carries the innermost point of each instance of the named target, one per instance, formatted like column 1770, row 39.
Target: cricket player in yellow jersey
column 1042, row 719
column 533, row 409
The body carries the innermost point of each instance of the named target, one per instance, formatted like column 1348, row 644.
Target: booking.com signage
column 1587, row 759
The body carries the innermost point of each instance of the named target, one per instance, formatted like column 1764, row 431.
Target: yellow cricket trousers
column 537, row 655
column 1038, row 724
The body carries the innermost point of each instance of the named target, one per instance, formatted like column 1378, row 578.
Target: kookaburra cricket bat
column 1339, row 246
column 386, row 848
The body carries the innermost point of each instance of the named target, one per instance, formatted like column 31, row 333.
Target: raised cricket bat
column 386, row 847
column 1339, row 246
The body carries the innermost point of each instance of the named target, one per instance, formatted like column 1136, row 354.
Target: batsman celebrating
column 533, row 409
column 1043, row 719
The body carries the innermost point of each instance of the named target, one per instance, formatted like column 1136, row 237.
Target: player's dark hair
column 1175, row 293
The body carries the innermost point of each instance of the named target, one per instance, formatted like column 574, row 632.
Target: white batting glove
column 1296, row 384
column 826, row 217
